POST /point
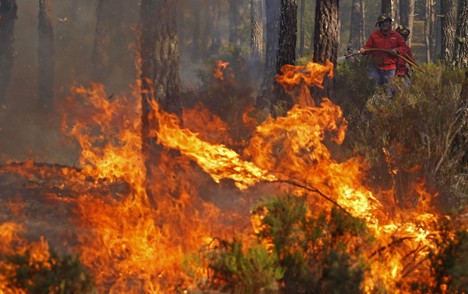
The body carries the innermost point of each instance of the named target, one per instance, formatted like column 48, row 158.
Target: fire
column 221, row 72
column 134, row 239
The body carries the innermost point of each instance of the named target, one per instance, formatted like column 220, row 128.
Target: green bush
column 57, row 274
column 315, row 252
column 295, row 253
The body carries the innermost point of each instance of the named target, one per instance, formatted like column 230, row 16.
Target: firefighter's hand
column 362, row 51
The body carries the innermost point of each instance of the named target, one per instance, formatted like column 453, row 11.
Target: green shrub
column 295, row 253
column 314, row 251
column 237, row 270
column 57, row 274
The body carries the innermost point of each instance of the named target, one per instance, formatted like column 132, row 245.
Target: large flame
column 134, row 237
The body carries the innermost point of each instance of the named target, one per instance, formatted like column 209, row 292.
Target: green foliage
column 315, row 252
column 294, row 251
column 57, row 274
column 238, row 270
column 423, row 129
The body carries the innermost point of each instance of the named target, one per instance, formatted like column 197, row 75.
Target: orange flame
column 134, row 241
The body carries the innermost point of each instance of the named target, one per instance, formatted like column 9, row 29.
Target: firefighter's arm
column 369, row 44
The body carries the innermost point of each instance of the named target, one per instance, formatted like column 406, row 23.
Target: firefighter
column 383, row 46
column 402, row 69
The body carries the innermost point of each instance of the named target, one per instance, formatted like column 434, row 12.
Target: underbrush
column 421, row 133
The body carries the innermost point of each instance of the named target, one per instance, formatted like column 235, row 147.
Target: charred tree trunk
column 46, row 56
column 449, row 23
column 288, row 34
column 301, row 28
column 356, row 34
column 287, row 46
column 159, row 71
column 272, row 11
column 256, row 35
column 460, row 54
column 326, row 38
column 8, row 10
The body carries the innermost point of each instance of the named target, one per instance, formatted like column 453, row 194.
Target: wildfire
column 134, row 239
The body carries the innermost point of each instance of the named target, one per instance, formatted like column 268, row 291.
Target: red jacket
column 401, row 68
column 392, row 40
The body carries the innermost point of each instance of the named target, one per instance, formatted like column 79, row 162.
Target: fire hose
column 405, row 57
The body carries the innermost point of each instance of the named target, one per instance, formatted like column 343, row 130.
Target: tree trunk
column 196, row 43
column 407, row 15
column 460, row 54
column 256, row 35
column 235, row 19
column 159, row 74
column 272, row 37
column 46, row 61
column 301, row 28
column 288, row 34
column 215, row 31
column 326, row 38
column 387, row 7
column 449, row 23
column 428, row 25
column 327, row 31
column 8, row 10
column 159, row 59
column 109, row 42
column 356, row 33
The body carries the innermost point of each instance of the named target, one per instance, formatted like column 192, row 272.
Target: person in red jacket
column 383, row 46
column 402, row 70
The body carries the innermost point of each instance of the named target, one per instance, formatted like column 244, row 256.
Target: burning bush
column 303, row 253
column 36, row 268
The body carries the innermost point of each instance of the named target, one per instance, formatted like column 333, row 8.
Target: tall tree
column 8, row 15
column 46, row 56
column 272, row 11
column 428, row 26
column 215, row 42
column 159, row 75
column 326, row 38
column 281, row 50
column 407, row 15
column 356, row 33
column 460, row 54
column 301, row 27
column 256, row 33
column 235, row 19
column 387, row 7
column 288, row 34
column 159, row 62
column 448, row 27
column 109, row 39
column 327, row 30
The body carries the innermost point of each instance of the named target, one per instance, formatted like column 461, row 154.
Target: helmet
column 403, row 30
column 383, row 18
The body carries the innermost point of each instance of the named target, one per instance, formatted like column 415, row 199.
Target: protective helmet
column 403, row 30
column 383, row 18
